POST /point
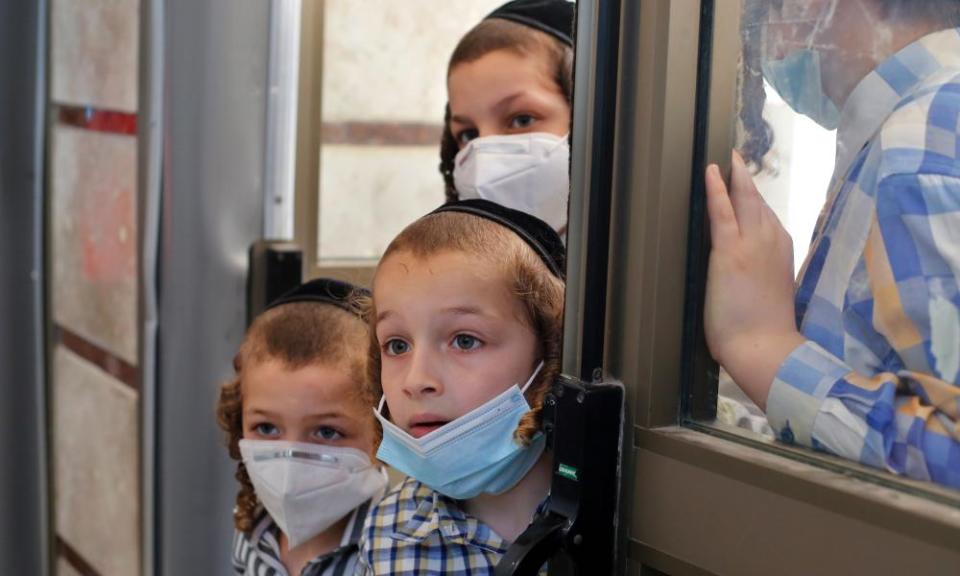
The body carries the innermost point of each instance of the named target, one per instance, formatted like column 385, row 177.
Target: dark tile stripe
column 106, row 361
column 88, row 118
column 74, row 558
column 381, row 133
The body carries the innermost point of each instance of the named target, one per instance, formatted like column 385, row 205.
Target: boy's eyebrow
column 456, row 310
column 502, row 103
column 317, row 416
column 506, row 101
column 331, row 414
column 465, row 311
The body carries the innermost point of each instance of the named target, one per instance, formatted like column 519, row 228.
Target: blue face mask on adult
column 474, row 454
column 797, row 79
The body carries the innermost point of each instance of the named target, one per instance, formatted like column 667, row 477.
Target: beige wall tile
column 386, row 61
column 96, row 465
column 368, row 195
column 94, row 52
column 94, row 237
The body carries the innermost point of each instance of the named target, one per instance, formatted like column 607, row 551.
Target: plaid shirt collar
column 436, row 513
column 266, row 539
column 881, row 91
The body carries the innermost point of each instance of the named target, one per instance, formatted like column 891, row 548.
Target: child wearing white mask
column 507, row 123
column 297, row 418
column 467, row 318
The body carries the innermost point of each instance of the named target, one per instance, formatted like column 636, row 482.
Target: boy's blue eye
column 465, row 136
column 522, row 121
column 395, row 347
column 466, row 342
column 327, row 433
column 266, row 429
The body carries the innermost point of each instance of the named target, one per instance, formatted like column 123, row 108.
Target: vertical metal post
column 594, row 132
column 24, row 493
column 282, row 93
column 149, row 186
column 214, row 109
column 715, row 136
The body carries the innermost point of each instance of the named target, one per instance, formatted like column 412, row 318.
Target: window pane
column 384, row 92
column 834, row 97
column 795, row 180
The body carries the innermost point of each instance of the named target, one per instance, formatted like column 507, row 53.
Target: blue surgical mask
column 797, row 79
column 474, row 454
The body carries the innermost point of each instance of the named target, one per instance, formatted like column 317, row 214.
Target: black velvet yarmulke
column 555, row 17
column 325, row 291
column 535, row 232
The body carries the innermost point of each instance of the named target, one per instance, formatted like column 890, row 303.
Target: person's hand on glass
column 749, row 318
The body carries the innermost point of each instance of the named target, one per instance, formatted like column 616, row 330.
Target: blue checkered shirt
column 417, row 531
column 878, row 300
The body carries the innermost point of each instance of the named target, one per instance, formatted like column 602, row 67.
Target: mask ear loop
column 822, row 22
column 532, row 378
column 561, row 142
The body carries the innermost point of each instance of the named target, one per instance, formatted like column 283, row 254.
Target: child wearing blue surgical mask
column 509, row 84
column 466, row 316
column 297, row 418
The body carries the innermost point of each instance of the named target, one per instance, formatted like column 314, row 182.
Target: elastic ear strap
column 532, row 378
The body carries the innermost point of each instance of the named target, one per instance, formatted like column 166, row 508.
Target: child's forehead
column 533, row 67
column 442, row 286
column 439, row 266
column 331, row 383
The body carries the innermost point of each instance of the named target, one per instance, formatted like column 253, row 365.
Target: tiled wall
column 92, row 189
column 93, row 186
column 96, row 464
column 384, row 92
column 93, row 48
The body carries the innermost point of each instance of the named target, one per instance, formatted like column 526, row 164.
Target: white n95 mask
column 527, row 172
column 306, row 487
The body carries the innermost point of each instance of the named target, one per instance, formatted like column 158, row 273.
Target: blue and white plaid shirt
column 416, row 531
column 258, row 554
column 879, row 297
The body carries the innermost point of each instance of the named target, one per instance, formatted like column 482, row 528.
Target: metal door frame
column 202, row 152
column 25, row 529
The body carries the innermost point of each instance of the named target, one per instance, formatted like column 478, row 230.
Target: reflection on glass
column 849, row 118
column 383, row 98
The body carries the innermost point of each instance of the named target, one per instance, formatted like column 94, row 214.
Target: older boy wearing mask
column 861, row 357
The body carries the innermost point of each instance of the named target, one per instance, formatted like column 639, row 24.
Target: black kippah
column 535, row 232
column 555, row 17
column 324, row 291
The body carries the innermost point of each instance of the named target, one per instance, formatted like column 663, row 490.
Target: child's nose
column 422, row 379
column 292, row 435
column 489, row 129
